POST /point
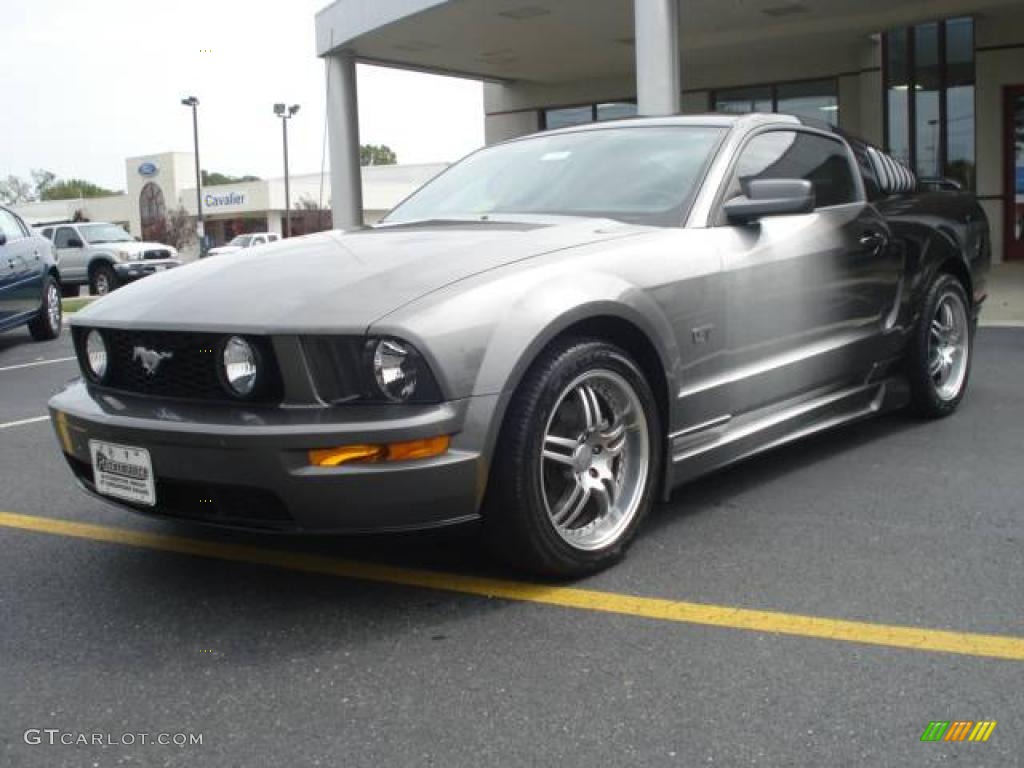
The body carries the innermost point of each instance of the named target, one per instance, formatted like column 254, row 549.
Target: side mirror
column 74, row 242
column 3, row 238
column 771, row 197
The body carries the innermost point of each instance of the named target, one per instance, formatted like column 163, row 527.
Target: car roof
column 713, row 119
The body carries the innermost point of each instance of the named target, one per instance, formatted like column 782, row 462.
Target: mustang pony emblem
column 150, row 359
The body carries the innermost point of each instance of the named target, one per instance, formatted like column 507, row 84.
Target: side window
column 797, row 155
column 272, row 238
column 257, row 241
column 64, row 234
column 9, row 225
column 48, row 233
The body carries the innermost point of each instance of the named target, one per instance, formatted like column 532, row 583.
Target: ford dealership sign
column 148, row 169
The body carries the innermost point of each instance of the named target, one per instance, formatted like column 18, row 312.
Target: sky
column 87, row 84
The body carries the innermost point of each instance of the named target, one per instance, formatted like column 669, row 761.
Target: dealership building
column 157, row 184
column 938, row 83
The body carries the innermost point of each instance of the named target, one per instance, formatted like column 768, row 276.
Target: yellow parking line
column 914, row 638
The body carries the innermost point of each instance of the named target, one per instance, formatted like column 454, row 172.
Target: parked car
column 550, row 335
column 242, row 242
column 104, row 256
column 29, row 280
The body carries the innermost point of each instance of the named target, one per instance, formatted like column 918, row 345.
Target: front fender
column 481, row 339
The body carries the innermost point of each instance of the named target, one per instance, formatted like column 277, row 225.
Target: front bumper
column 133, row 270
column 246, row 467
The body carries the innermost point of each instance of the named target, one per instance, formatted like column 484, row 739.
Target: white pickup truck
column 104, row 256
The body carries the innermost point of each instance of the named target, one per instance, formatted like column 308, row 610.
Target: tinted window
column 567, row 116
column 642, row 174
column 796, row 155
column 9, row 225
column 64, row 234
column 48, row 233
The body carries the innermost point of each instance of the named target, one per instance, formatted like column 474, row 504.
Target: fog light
column 368, row 454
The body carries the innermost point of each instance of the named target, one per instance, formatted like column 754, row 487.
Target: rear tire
column 577, row 462
column 939, row 361
column 103, row 280
column 47, row 324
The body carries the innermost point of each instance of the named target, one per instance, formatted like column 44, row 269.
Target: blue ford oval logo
column 148, row 169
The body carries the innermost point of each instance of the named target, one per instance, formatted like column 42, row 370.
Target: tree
column 377, row 154
column 180, row 231
column 212, row 178
column 70, row 189
column 14, row 190
column 42, row 180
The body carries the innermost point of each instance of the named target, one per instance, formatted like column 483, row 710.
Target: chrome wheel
column 53, row 308
column 948, row 346
column 102, row 284
column 595, row 460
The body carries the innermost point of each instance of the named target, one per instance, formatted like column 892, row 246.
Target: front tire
column 103, row 280
column 46, row 325
column 940, row 355
column 577, row 462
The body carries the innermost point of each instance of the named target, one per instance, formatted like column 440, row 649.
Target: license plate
column 123, row 472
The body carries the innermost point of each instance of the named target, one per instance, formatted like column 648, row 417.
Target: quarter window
column 796, row 155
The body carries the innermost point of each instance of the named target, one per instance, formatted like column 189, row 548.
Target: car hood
column 223, row 249
column 337, row 281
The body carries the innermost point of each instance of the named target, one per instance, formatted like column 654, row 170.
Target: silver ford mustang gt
column 548, row 337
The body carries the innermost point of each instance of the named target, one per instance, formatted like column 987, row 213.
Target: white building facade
column 156, row 185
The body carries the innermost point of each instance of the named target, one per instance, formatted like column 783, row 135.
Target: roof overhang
column 551, row 41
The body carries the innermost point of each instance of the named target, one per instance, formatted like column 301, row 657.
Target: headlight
column 129, row 255
column 240, row 366
column 396, row 370
column 95, row 356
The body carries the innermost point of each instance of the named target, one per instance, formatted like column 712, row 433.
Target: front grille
column 156, row 254
column 205, row 502
column 188, row 368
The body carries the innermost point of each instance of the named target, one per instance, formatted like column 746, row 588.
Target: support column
column 656, row 24
column 343, row 134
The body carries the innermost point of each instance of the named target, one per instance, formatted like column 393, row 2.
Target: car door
column 71, row 255
column 7, row 305
column 23, row 264
column 808, row 296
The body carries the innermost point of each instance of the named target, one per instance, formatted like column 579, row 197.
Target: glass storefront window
column 929, row 93
column 566, row 116
column 927, row 85
column 563, row 117
column 743, row 100
column 814, row 99
column 615, row 110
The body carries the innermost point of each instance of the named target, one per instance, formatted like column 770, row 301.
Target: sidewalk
column 1005, row 304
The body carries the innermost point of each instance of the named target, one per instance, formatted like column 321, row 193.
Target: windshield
column 637, row 173
column 241, row 241
column 104, row 233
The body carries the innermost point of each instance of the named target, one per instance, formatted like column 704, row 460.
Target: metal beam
column 343, row 132
column 656, row 24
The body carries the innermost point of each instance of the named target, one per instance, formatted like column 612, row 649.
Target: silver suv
column 104, row 256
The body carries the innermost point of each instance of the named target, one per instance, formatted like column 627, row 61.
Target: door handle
column 873, row 240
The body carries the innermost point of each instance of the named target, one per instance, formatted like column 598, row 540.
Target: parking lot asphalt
column 889, row 522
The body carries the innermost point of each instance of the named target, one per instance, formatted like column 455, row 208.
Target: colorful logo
column 148, row 169
column 958, row 730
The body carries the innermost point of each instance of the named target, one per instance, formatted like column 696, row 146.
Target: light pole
column 285, row 113
column 193, row 102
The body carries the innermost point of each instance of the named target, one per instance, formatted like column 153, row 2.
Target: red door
column 1014, row 159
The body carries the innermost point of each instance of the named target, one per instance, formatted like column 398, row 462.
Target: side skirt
column 726, row 440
